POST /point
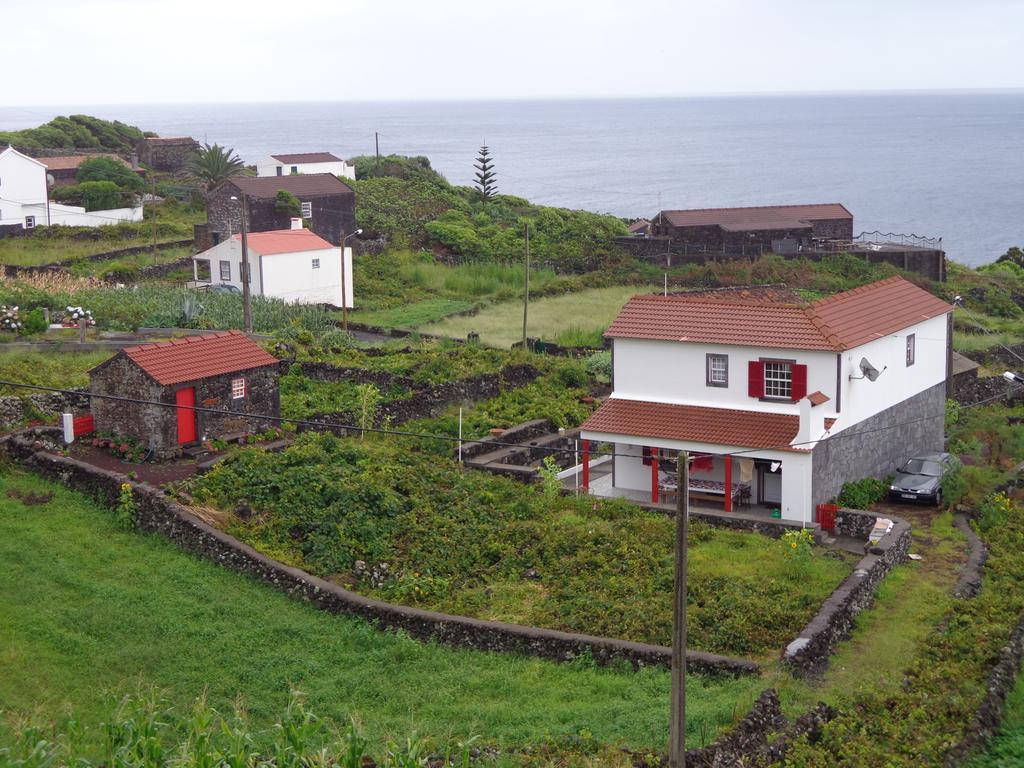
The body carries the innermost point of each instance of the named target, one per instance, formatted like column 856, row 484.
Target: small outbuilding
column 224, row 371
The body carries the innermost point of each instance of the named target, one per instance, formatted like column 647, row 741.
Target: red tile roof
column 695, row 423
column 876, row 310
column 757, row 217
column 308, row 157
column 818, row 398
column 300, row 185
column 66, row 163
column 285, row 241
column 199, row 357
column 837, row 323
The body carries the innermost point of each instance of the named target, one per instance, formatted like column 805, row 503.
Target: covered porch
column 753, row 469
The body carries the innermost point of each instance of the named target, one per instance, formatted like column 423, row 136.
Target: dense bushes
column 76, row 131
column 403, row 525
column 861, row 494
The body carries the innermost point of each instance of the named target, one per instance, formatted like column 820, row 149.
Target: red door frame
column 185, row 400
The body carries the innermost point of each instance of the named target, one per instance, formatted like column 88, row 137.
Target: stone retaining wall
column 969, row 583
column 11, row 271
column 156, row 513
column 15, row 409
column 426, row 402
column 809, row 653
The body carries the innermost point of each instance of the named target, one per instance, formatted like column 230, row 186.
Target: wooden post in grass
column 677, row 727
column 81, row 330
column 526, row 284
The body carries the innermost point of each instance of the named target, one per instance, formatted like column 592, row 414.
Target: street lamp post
column 344, row 293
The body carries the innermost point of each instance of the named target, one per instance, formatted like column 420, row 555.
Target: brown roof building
column 771, row 227
column 328, row 205
column 64, row 168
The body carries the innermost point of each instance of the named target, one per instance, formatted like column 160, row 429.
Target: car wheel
column 938, row 499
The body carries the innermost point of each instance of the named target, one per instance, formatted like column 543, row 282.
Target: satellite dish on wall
column 868, row 371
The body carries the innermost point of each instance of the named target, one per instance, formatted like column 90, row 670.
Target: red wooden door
column 186, row 399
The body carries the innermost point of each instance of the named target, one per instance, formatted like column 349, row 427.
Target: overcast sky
column 186, row 51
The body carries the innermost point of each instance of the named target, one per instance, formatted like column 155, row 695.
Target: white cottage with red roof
column 295, row 265
column 151, row 392
column 781, row 401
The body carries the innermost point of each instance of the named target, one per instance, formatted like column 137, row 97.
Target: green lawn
column 89, row 612
column 58, row 368
column 502, row 324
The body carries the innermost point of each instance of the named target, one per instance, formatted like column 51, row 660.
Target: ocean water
column 941, row 165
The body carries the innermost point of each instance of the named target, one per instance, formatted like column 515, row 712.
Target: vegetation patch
column 412, row 528
column 90, row 612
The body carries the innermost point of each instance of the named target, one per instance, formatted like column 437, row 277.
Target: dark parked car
column 221, row 288
column 920, row 479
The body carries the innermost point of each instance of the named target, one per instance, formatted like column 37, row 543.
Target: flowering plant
column 798, row 547
column 73, row 315
column 9, row 319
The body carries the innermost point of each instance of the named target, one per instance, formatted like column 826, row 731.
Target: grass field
column 48, row 369
column 89, row 612
column 502, row 324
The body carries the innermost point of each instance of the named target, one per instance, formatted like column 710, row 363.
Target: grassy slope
column 88, row 612
column 502, row 324
column 63, row 368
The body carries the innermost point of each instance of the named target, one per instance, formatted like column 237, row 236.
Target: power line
column 480, row 441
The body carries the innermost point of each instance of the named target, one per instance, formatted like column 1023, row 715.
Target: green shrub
column 109, row 169
column 599, row 365
column 861, row 494
column 287, row 204
column 34, row 322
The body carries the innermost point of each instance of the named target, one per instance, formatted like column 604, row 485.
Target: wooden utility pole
column 677, row 728
column 376, row 144
column 526, row 283
column 246, row 297
column 152, row 188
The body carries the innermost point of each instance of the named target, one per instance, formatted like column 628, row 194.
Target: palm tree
column 213, row 164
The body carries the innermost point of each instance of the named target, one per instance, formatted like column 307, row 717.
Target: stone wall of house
column 262, row 396
column 156, row 513
column 808, row 654
column 154, row 426
column 334, row 216
column 169, row 155
column 833, row 229
column 871, row 449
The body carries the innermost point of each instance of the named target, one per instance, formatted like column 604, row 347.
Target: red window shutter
column 755, row 378
column 799, row 382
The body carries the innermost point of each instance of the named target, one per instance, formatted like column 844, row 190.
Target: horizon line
column 521, row 99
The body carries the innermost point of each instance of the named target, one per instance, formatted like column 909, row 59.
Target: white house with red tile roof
column 783, row 400
column 304, row 162
column 296, row 265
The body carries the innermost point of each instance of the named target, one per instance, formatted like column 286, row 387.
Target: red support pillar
column 654, row 475
column 586, row 466
column 728, row 483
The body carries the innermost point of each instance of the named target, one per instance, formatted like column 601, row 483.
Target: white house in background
column 780, row 401
column 25, row 204
column 294, row 264
column 305, row 162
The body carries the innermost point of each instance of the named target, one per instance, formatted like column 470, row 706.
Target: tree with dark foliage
column 485, row 175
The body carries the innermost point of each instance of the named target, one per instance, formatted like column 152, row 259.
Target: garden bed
column 402, row 526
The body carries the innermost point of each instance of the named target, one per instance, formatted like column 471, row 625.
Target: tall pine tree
column 485, row 175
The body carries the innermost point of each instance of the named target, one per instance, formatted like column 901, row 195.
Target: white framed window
column 225, row 270
column 295, row 169
column 778, row 380
column 237, row 389
column 202, row 270
column 717, row 370
column 911, row 349
column 316, row 263
column 307, row 210
column 30, row 222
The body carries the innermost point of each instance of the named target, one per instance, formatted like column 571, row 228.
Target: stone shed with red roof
column 168, row 386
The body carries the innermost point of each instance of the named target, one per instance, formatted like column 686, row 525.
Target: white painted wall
column 22, row 183
column 268, row 167
column 76, row 216
column 674, row 372
column 862, row 398
column 288, row 276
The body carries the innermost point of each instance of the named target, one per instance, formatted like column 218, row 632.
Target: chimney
column 812, row 422
column 133, row 158
column 296, row 223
